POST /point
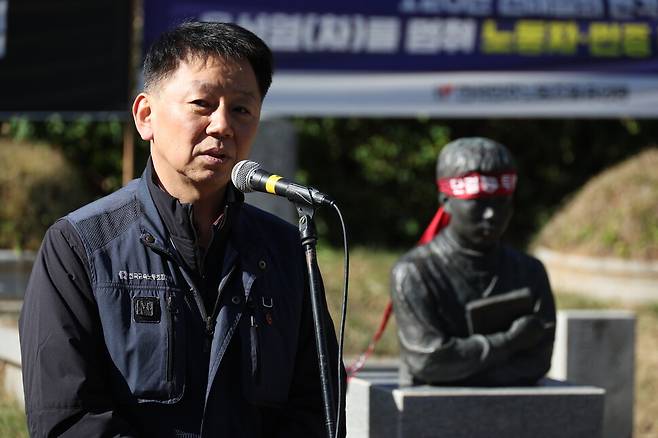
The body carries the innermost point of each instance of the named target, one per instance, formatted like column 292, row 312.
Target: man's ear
column 142, row 116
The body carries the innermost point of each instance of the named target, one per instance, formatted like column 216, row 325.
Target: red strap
column 440, row 220
column 361, row 361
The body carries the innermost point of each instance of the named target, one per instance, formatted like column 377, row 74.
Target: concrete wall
column 15, row 268
column 10, row 364
column 608, row 278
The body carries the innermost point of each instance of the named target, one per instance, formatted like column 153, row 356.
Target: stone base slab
column 378, row 408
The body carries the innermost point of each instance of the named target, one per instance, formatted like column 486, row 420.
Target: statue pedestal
column 377, row 407
column 597, row 347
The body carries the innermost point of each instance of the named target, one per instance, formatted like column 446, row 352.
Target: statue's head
column 477, row 178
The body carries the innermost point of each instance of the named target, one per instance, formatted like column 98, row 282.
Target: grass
column 368, row 289
column 12, row 419
column 615, row 214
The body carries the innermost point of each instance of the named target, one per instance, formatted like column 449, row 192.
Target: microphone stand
column 309, row 239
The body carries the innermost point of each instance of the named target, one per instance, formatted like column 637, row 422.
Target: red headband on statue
column 473, row 185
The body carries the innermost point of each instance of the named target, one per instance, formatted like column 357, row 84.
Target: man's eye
column 200, row 103
column 242, row 110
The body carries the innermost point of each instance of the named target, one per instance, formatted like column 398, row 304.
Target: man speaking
column 170, row 308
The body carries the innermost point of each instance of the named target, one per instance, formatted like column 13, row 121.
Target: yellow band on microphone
column 271, row 181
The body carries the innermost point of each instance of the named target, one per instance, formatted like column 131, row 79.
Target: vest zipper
column 170, row 335
column 212, row 318
column 210, row 333
column 253, row 332
column 207, row 319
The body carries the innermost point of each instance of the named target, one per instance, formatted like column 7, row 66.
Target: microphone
column 247, row 176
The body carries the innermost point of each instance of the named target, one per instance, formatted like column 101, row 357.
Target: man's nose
column 220, row 123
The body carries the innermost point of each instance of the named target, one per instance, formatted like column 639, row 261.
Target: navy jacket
column 115, row 339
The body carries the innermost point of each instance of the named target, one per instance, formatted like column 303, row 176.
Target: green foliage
column 94, row 146
column 381, row 171
column 382, row 174
column 37, row 186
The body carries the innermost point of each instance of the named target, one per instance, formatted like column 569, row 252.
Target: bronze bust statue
column 470, row 310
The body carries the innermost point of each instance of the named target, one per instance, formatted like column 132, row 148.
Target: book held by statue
column 497, row 312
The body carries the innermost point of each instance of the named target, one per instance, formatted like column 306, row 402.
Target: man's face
column 202, row 121
column 478, row 223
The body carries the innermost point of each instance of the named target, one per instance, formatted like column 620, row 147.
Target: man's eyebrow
column 204, row 86
column 210, row 87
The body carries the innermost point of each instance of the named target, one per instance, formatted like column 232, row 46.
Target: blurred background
column 365, row 95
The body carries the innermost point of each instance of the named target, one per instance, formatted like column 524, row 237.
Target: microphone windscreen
column 240, row 175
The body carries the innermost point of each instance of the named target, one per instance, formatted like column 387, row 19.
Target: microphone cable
column 343, row 314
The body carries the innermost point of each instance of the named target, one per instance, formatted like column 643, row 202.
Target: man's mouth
column 216, row 155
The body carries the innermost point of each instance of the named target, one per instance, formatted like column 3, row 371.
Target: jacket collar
column 245, row 238
column 167, row 219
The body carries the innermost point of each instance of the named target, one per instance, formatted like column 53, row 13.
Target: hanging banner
column 457, row 58
column 64, row 56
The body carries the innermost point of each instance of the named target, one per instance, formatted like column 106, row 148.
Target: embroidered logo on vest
column 146, row 309
column 124, row 275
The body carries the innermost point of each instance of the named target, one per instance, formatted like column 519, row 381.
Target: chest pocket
column 268, row 335
column 144, row 332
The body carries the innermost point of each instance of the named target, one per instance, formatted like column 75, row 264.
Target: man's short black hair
column 471, row 154
column 194, row 39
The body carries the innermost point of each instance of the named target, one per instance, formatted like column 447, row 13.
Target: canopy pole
column 128, row 161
